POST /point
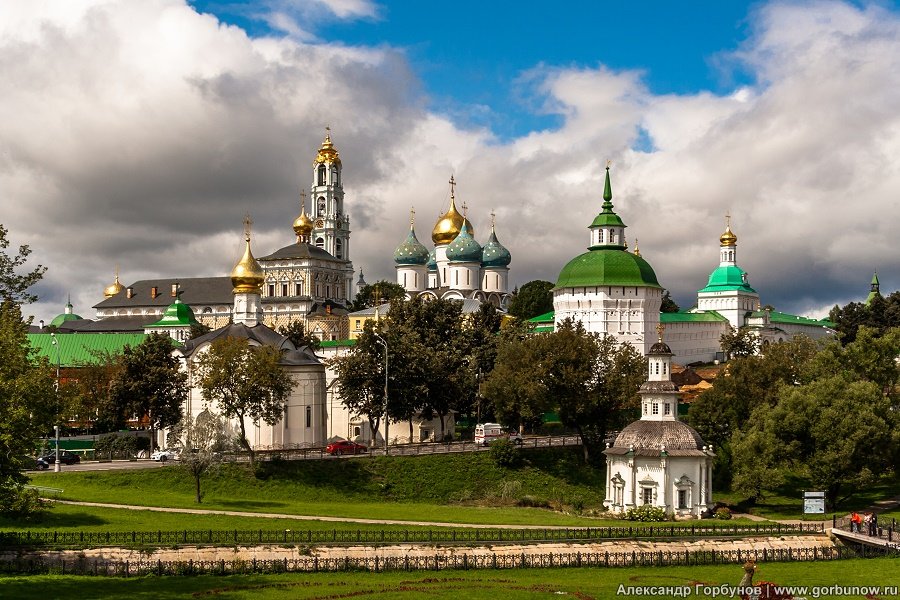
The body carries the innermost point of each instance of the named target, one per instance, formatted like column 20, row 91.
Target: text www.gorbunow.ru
column 799, row 592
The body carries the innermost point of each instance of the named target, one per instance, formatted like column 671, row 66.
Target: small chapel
column 658, row 460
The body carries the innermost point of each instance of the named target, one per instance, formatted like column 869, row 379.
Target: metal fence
column 394, row 536
column 436, row 562
column 885, row 530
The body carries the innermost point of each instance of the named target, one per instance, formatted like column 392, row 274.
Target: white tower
column 728, row 292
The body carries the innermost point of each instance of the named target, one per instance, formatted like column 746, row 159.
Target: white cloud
column 142, row 133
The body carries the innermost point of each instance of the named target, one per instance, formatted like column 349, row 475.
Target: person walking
column 855, row 520
column 873, row 524
column 867, row 521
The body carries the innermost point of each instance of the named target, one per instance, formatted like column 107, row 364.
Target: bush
column 532, row 502
column 505, row 454
column 646, row 514
column 19, row 502
column 723, row 514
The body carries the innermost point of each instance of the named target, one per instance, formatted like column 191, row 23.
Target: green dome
column 464, row 248
column 178, row 314
column 432, row 261
column 411, row 252
column 494, row 254
column 66, row 316
column 607, row 267
column 728, row 278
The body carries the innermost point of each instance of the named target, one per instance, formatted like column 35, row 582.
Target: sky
column 137, row 134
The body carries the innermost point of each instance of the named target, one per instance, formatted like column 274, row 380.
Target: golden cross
column 452, row 187
column 247, row 223
column 465, row 209
column 659, row 331
column 728, row 219
column 302, row 202
column 608, row 162
column 412, row 216
column 493, row 218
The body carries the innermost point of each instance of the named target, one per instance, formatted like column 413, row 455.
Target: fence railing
column 436, row 562
column 885, row 530
column 393, row 536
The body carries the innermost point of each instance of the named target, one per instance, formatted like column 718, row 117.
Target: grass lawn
column 786, row 502
column 475, row 585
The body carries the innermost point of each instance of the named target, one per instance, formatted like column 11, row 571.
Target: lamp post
column 55, row 344
column 387, row 418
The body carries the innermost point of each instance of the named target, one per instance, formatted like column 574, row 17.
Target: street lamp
column 387, row 418
column 55, row 344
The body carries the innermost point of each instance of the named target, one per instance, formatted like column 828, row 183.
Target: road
column 116, row 465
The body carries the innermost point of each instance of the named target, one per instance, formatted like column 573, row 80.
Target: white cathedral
column 458, row 267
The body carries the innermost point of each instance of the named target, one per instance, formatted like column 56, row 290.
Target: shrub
column 723, row 513
column 646, row 513
column 505, row 454
column 532, row 502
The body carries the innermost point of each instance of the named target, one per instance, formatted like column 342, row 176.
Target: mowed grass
column 476, row 585
column 464, row 488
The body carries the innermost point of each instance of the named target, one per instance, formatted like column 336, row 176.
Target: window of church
column 335, row 176
column 645, row 408
column 404, row 280
column 667, row 408
column 647, row 495
column 284, row 289
column 321, row 175
column 468, row 274
column 298, row 289
column 656, row 368
column 321, row 206
column 309, row 416
column 682, row 499
column 457, row 277
column 338, row 249
column 655, row 408
column 665, row 366
column 320, row 242
column 599, row 236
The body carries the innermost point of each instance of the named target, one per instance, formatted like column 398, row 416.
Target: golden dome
column 327, row 153
column 247, row 276
column 114, row 288
column 450, row 223
column 303, row 225
column 728, row 238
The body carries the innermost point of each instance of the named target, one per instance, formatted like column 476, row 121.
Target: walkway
column 236, row 513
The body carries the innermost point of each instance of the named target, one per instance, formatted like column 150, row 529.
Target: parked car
column 485, row 433
column 345, row 447
column 36, row 464
column 65, row 457
column 164, row 455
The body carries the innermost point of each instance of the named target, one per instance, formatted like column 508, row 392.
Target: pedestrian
column 867, row 521
column 854, row 522
column 873, row 525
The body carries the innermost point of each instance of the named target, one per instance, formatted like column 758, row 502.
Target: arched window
column 599, row 236
column 335, row 175
column 320, row 206
column 309, row 416
column 321, row 175
column 338, row 249
column 320, row 242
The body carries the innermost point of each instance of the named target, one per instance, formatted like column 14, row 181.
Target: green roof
column 608, row 267
column 547, row 317
column 336, row 343
column 178, row 314
column 727, row 278
column 707, row 316
column 63, row 317
column 605, row 219
column 788, row 319
column 78, row 349
column 544, row 329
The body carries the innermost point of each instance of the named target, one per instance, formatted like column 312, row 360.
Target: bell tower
column 331, row 225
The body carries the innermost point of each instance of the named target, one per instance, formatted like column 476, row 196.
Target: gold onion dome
column 303, row 225
column 728, row 238
column 450, row 223
column 327, row 153
column 247, row 276
column 114, row 288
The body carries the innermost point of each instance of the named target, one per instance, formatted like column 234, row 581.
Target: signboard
column 814, row 503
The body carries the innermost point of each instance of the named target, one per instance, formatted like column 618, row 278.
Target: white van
column 485, row 433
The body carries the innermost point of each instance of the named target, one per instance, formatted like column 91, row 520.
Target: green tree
column 377, row 293
column 205, row 439
column 14, row 286
column 739, row 342
column 533, row 298
column 246, row 383
column 151, row 383
column 360, row 379
column 296, row 332
column 668, row 305
column 93, row 400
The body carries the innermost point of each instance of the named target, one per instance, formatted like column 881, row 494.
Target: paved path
column 236, row 513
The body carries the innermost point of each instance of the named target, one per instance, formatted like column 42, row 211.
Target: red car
column 345, row 447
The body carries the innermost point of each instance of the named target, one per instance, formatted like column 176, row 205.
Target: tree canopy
column 296, row 332
column 13, row 285
column 533, row 298
column 377, row 293
column 245, row 382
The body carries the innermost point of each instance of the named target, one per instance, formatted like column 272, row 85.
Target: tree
column 204, row 441
column 296, row 332
column 151, row 383
column 92, row 393
column 668, row 305
column 534, row 298
column 245, row 382
column 27, row 409
column 377, row 293
column 739, row 342
column 13, row 286
column 198, row 329
column 360, row 379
